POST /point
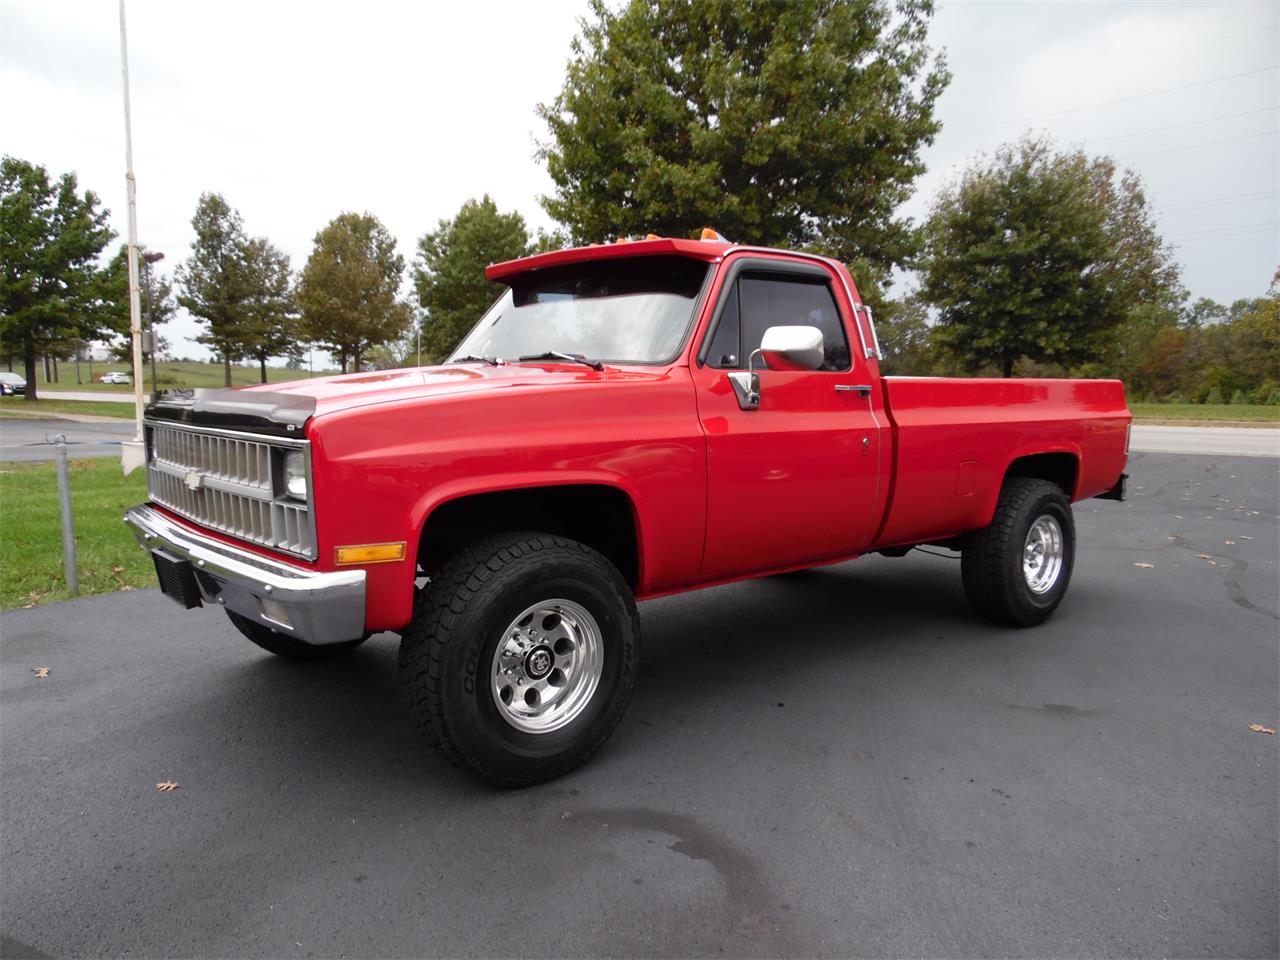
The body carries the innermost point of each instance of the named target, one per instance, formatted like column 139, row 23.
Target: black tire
column 291, row 648
column 447, row 654
column 992, row 558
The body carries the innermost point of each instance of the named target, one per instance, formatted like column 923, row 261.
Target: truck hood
column 345, row 391
column 285, row 408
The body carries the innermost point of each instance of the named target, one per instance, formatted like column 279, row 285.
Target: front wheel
column 1016, row 569
column 521, row 656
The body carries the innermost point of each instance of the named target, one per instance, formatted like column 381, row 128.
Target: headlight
column 295, row 474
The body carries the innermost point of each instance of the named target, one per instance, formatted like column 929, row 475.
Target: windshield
column 631, row 310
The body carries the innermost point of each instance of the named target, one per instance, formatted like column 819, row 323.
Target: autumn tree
column 215, row 281
column 348, row 293
column 52, row 290
column 1042, row 254
column 448, row 274
column 795, row 124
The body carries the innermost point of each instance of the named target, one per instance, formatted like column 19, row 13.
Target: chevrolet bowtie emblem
column 193, row 480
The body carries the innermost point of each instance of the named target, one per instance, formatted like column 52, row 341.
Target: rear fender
column 992, row 496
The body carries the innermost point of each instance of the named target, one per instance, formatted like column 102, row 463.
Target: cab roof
column 708, row 250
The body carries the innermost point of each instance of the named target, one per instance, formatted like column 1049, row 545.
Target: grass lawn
column 1206, row 411
column 170, row 374
column 31, row 532
column 19, row 407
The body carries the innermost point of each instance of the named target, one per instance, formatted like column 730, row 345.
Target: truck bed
column 954, row 440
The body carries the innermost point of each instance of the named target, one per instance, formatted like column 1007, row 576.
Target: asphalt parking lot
column 838, row 763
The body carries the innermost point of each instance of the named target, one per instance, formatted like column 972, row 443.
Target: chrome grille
column 225, row 483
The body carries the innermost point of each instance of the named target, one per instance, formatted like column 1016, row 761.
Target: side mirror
column 792, row 348
column 783, row 348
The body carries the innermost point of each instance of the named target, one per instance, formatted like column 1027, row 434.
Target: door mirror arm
column 746, row 384
column 783, row 348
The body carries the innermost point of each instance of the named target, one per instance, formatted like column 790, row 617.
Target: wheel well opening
column 1059, row 468
column 601, row 517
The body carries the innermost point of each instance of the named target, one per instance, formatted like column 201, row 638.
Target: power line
column 1234, row 198
column 1224, row 236
column 1225, row 231
column 1136, row 96
column 1207, row 143
column 1179, row 126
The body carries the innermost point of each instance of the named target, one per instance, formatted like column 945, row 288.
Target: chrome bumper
column 318, row 607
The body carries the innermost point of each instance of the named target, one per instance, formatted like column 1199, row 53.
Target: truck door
column 795, row 479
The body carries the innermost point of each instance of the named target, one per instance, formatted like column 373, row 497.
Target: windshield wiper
column 491, row 361
column 571, row 357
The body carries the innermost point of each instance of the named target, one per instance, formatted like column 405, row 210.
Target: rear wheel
column 521, row 656
column 291, row 648
column 1016, row 570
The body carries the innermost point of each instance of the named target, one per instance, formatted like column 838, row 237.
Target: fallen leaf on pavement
column 41, row 673
column 1242, row 537
column 1230, row 543
column 1204, row 556
column 1259, row 728
column 1145, row 566
column 168, row 786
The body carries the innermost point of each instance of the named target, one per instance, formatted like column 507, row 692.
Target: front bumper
column 315, row 606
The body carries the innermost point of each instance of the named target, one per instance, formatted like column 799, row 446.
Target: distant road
column 121, row 397
column 26, row 441
column 1222, row 441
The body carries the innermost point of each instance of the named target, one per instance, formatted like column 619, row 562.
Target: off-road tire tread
column 290, row 648
column 437, row 609
column 984, row 565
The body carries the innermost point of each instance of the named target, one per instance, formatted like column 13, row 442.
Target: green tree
column 52, row 290
column 1204, row 312
column 448, row 274
column 1042, row 255
column 272, row 316
column 155, row 296
column 215, row 281
column 786, row 124
column 349, row 290
column 906, row 345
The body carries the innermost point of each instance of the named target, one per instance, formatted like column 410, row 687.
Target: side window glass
column 724, row 345
column 773, row 302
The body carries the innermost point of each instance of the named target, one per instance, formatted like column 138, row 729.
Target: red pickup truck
column 627, row 421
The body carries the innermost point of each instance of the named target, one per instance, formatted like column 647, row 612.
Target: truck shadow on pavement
column 753, row 640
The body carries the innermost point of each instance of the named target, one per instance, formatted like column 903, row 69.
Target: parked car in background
column 114, row 377
column 12, row 384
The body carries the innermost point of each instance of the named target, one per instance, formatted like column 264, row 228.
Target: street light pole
column 147, row 260
column 131, row 188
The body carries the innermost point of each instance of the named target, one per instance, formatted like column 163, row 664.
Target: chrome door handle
column 862, row 388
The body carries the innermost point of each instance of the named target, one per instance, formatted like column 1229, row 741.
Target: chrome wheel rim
column 1042, row 555
column 547, row 666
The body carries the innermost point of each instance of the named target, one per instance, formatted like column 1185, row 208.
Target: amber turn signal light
column 371, row 553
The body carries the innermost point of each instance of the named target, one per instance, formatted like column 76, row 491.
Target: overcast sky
column 296, row 112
